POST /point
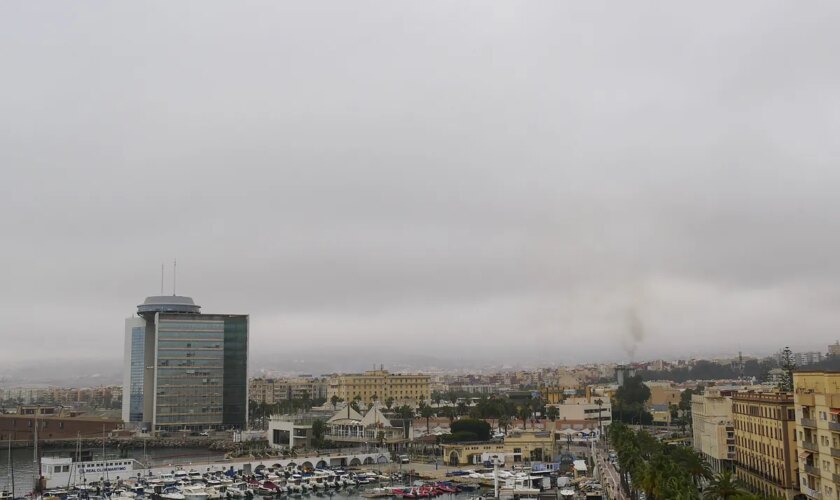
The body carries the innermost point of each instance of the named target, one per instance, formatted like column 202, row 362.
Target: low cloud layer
column 488, row 177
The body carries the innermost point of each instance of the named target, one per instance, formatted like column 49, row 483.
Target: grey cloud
column 495, row 176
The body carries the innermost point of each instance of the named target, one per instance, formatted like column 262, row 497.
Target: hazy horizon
column 584, row 182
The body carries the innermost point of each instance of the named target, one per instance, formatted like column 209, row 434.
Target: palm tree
column 389, row 402
column 448, row 412
column 334, row 400
column 426, row 412
column 692, row 463
column 724, row 486
column 552, row 413
column 504, row 422
column 462, row 408
column 355, row 403
column 524, row 412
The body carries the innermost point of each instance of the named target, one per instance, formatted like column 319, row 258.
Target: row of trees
column 662, row 471
column 711, row 370
column 258, row 412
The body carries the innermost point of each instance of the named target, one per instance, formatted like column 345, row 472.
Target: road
column 609, row 476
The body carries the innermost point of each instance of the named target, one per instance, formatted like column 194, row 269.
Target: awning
column 805, row 454
column 835, row 411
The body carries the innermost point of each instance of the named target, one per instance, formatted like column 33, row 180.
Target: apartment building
column 594, row 411
column 765, row 443
column 380, row 385
column 663, row 393
column 713, row 428
column 278, row 390
column 817, row 401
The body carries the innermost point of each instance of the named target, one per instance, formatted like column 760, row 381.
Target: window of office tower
column 235, row 395
column 138, row 338
column 190, row 370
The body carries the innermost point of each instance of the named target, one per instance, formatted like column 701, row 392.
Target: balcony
column 835, row 452
column 811, row 493
column 810, row 446
column 810, row 469
column 808, row 422
column 804, row 399
column 835, row 478
column 834, row 426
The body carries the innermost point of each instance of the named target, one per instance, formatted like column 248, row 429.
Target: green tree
column 334, row 400
column 426, row 412
column 724, row 486
column 479, row 428
column 405, row 412
column 389, row 402
column 524, row 412
column 788, row 365
column 448, row 412
column 462, row 408
column 629, row 402
column 649, row 466
column 552, row 413
column 319, row 427
column 504, row 422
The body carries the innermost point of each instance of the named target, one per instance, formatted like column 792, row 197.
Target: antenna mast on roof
column 174, row 275
column 161, row 278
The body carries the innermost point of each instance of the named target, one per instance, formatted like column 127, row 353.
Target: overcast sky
column 483, row 177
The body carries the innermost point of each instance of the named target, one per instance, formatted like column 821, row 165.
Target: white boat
column 239, row 490
column 167, row 478
column 194, row 492
column 378, row 493
column 171, row 493
column 122, row 494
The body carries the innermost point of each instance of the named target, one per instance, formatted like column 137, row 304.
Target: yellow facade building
column 663, row 394
column 817, row 399
column 518, row 446
column 556, row 394
column 380, row 385
column 765, row 443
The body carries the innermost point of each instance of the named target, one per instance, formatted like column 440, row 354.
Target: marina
column 348, row 473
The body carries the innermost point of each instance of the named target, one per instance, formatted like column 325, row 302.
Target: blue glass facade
column 135, row 395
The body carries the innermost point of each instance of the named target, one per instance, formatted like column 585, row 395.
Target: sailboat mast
column 103, row 451
column 36, row 465
column 9, row 463
column 11, row 468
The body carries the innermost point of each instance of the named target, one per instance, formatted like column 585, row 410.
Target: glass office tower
column 195, row 367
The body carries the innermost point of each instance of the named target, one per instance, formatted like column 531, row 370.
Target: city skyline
column 468, row 181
